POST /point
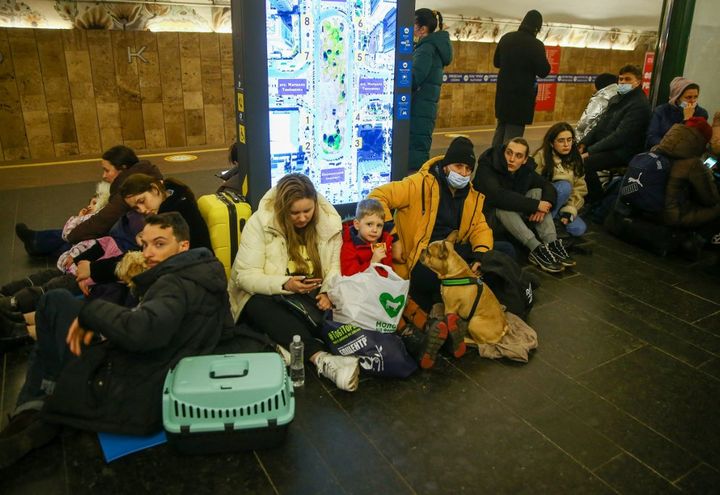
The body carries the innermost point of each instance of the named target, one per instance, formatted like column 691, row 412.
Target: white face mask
column 457, row 181
column 624, row 88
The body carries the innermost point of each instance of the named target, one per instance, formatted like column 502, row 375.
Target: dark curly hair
column 572, row 160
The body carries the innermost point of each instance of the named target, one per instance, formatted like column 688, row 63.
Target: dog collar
column 454, row 282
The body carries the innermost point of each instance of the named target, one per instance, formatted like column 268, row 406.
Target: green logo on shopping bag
column 392, row 305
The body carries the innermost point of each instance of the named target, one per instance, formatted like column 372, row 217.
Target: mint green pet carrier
column 228, row 402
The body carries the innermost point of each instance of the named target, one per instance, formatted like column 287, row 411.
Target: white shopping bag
column 369, row 300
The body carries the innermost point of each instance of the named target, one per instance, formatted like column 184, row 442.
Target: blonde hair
column 132, row 263
column 369, row 206
column 289, row 189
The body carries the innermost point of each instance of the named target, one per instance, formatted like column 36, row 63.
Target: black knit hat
column 605, row 79
column 460, row 151
column 532, row 22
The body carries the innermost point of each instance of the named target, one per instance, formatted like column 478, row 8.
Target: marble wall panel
column 13, row 139
column 30, row 89
column 82, row 92
column 57, row 91
column 191, row 63
column 227, row 72
column 128, row 84
column 212, row 88
column 172, row 91
column 108, row 115
column 465, row 105
column 151, row 90
column 105, row 87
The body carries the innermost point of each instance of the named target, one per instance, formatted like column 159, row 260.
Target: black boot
column 27, row 237
column 414, row 340
column 27, row 299
column 24, row 433
column 13, row 335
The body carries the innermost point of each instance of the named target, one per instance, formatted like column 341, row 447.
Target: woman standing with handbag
column 289, row 251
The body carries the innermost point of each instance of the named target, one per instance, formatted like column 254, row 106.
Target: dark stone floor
column 622, row 396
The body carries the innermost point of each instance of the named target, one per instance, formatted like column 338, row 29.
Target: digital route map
column 330, row 83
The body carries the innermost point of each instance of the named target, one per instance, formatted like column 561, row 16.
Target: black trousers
column 604, row 160
column 505, row 132
column 56, row 311
column 281, row 323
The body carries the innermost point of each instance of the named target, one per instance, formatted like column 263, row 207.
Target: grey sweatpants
column 517, row 225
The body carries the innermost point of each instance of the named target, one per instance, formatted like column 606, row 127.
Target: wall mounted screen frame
column 344, row 125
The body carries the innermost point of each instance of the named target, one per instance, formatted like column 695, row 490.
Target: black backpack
column 511, row 284
column 643, row 186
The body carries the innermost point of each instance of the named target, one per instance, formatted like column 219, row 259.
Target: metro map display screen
column 330, row 83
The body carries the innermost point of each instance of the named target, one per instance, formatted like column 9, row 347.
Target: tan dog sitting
column 465, row 296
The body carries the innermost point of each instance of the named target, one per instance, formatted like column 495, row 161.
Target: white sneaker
column 343, row 370
column 284, row 354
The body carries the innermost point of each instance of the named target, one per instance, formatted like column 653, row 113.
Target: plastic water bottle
column 297, row 362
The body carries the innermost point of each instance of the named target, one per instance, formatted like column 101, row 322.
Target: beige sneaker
column 343, row 370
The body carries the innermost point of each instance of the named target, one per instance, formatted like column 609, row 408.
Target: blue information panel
column 331, row 66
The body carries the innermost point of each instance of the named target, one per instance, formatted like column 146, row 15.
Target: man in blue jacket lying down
column 100, row 366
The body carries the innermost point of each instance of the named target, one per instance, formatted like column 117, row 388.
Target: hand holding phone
column 710, row 162
column 313, row 281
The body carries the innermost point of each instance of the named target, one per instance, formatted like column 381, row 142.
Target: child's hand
column 83, row 270
column 379, row 253
column 68, row 262
column 323, row 302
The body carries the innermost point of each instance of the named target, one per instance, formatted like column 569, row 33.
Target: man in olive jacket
column 114, row 384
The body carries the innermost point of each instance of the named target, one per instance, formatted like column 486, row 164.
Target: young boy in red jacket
column 367, row 240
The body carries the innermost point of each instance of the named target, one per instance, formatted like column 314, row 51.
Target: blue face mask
column 457, row 181
column 624, row 88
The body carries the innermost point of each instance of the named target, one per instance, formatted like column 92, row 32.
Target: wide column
column 675, row 25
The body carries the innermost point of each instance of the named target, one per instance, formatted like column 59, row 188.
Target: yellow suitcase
column 225, row 214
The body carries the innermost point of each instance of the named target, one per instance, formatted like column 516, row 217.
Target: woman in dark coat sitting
column 683, row 105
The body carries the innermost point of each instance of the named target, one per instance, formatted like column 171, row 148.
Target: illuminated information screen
column 330, row 84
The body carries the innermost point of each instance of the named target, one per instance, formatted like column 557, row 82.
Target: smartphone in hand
column 313, row 281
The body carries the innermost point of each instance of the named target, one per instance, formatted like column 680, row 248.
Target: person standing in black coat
column 619, row 134
column 520, row 56
column 521, row 200
column 113, row 383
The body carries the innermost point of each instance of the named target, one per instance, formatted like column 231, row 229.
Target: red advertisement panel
column 545, row 101
column 647, row 71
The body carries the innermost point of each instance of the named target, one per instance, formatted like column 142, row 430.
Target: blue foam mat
column 117, row 446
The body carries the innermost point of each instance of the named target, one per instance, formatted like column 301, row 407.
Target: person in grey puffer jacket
column 433, row 51
column 606, row 88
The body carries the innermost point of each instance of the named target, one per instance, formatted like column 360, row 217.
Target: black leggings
column 280, row 323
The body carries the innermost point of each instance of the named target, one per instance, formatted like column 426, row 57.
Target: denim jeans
column 49, row 243
column 577, row 227
column 55, row 312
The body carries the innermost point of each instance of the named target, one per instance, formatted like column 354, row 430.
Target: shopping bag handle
column 391, row 273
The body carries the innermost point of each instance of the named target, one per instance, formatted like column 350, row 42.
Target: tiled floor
column 622, row 396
